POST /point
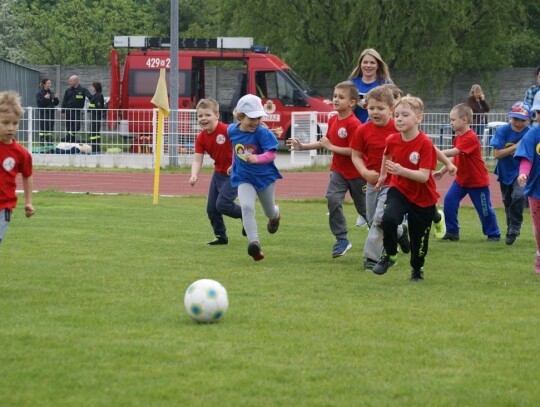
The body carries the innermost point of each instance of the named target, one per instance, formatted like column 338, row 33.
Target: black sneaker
column 384, row 264
column 510, row 238
column 493, row 239
column 273, row 225
column 403, row 241
column 255, row 251
column 218, row 240
column 451, row 237
column 417, row 274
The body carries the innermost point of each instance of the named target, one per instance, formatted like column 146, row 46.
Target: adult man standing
column 73, row 102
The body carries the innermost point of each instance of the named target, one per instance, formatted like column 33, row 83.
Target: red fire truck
column 261, row 73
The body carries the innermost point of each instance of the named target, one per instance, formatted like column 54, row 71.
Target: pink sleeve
column 266, row 157
column 525, row 167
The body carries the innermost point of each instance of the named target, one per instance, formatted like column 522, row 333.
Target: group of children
column 388, row 166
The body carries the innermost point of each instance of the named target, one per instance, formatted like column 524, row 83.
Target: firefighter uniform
column 72, row 104
column 97, row 104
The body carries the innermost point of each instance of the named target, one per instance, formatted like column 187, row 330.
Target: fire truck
column 282, row 91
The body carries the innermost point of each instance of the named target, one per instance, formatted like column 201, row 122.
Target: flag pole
column 161, row 101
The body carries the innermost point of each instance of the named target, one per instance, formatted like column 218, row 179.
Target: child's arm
column 370, row 176
column 448, row 163
column 383, row 173
column 450, row 152
column 326, row 143
column 264, row 158
column 524, row 171
column 28, row 184
column 421, row 175
column 295, row 144
column 196, row 167
column 505, row 152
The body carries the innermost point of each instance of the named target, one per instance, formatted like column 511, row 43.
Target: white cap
column 536, row 101
column 251, row 106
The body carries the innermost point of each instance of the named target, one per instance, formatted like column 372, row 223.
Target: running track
column 294, row 185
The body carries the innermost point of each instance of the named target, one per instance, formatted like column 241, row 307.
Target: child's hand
column 325, row 142
column 451, row 169
column 252, row 158
column 393, row 168
column 229, row 170
column 380, row 183
column 29, row 210
column 371, row 176
column 193, row 180
column 522, row 180
column 438, row 174
column 293, row 144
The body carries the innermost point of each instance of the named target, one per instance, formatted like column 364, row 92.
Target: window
column 143, row 82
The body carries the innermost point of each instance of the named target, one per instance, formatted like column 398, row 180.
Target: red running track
column 294, row 185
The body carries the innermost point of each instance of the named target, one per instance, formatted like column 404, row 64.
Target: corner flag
column 161, row 101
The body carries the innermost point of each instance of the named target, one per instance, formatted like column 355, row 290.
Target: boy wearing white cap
column 253, row 171
column 529, row 176
column 505, row 142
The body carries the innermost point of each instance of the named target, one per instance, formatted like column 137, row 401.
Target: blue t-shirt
column 261, row 140
column 529, row 148
column 360, row 110
column 507, row 168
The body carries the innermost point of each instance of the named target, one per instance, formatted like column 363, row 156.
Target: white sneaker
column 361, row 222
column 440, row 227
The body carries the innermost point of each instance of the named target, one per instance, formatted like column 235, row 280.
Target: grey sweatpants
column 247, row 195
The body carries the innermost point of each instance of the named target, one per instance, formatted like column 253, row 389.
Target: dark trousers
column 73, row 120
column 514, row 203
column 419, row 222
column 221, row 196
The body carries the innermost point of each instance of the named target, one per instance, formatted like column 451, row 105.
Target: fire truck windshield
column 143, row 82
column 301, row 84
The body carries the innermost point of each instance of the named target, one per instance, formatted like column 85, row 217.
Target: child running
column 15, row 159
column 410, row 157
column 472, row 178
column 343, row 174
column 253, row 171
column 213, row 140
column 368, row 144
column 529, row 176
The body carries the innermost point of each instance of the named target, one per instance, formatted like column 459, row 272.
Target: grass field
column 91, row 300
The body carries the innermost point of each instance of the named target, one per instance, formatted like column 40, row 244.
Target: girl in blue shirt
column 253, row 171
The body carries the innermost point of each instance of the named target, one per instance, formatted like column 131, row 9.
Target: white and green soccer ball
column 206, row 301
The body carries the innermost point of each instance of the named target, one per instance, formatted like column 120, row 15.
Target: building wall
column 21, row 79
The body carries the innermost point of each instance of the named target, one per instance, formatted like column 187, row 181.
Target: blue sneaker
column 341, row 247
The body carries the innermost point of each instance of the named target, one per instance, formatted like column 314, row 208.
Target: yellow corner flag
column 161, row 101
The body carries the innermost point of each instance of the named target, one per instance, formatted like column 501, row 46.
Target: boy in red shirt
column 472, row 178
column 214, row 141
column 368, row 144
column 343, row 174
column 14, row 159
column 410, row 157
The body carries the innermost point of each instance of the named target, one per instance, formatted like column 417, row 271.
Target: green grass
column 91, row 300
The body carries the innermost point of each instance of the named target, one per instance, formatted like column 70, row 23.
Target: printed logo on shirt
column 342, row 132
column 243, row 151
column 414, row 157
column 220, row 139
column 9, row 164
column 538, row 147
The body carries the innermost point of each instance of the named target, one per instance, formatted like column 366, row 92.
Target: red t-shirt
column 414, row 154
column 14, row 159
column 340, row 132
column 370, row 140
column 217, row 145
column 472, row 171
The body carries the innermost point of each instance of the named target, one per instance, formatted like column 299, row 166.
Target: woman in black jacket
column 479, row 107
column 46, row 102
column 97, row 106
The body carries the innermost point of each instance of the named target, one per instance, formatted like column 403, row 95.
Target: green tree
column 11, row 34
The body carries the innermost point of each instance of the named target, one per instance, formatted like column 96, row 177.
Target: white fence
column 128, row 138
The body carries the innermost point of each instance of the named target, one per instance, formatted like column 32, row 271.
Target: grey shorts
column 5, row 215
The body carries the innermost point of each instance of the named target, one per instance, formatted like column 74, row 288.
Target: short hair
column 10, row 102
column 412, row 102
column 397, row 93
column 97, row 86
column 381, row 94
column 474, row 88
column 463, row 110
column 208, row 104
column 350, row 87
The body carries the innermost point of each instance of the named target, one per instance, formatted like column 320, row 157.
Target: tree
column 11, row 34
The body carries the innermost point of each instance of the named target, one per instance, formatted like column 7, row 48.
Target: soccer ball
column 206, row 301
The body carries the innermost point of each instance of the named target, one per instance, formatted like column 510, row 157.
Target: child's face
column 379, row 112
column 207, row 119
column 458, row 123
column 518, row 125
column 248, row 124
column 9, row 123
column 406, row 119
column 342, row 101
